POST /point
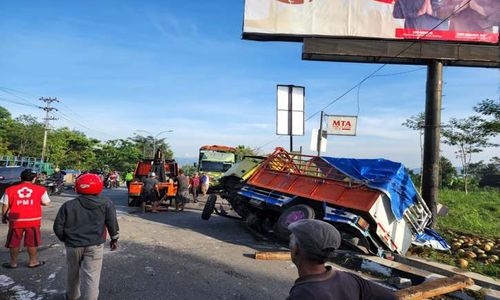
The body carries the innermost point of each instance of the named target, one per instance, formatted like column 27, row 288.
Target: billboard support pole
column 430, row 172
column 290, row 115
column 320, row 133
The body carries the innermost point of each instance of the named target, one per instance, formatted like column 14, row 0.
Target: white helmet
column 152, row 174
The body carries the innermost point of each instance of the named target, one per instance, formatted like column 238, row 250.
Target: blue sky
column 119, row 66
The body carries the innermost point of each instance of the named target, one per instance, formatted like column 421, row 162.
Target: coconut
column 456, row 246
column 461, row 252
column 494, row 257
column 479, row 251
column 462, row 263
column 483, row 256
column 487, row 248
column 470, row 254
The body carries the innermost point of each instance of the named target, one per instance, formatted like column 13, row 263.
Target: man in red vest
column 22, row 209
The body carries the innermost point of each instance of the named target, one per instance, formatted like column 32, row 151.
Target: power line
column 372, row 74
column 18, row 102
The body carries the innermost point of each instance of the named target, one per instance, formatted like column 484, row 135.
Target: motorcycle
column 54, row 187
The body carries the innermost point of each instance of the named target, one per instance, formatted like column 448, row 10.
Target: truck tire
column 133, row 201
column 209, row 207
column 289, row 216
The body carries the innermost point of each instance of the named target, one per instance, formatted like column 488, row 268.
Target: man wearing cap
column 150, row 192
column 81, row 224
column 312, row 243
column 22, row 209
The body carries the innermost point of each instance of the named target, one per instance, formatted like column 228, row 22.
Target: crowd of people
column 83, row 223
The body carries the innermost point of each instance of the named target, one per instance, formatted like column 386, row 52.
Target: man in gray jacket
column 81, row 224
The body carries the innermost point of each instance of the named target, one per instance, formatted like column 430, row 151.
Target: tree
column 417, row 123
column 490, row 119
column 25, row 136
column 146, row 144
column 468, row 136
column 242, row 150
column 5, row 122
column 447, row 172
column 120, row 155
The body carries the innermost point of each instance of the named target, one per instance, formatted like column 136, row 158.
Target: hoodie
column 83, row 221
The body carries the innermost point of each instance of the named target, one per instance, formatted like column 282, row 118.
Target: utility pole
column 48, row 109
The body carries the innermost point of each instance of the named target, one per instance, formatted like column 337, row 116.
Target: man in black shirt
column 312, row 243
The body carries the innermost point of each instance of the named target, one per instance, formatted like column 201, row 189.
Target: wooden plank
column 434, row 288
column 275, row 255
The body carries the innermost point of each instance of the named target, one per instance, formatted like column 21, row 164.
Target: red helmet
column 88, row 184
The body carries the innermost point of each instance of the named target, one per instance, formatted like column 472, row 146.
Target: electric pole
column 48, row 109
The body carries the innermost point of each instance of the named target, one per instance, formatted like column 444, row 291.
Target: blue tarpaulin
column 384, row 175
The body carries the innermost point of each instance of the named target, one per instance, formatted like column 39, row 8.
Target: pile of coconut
column 473, row 248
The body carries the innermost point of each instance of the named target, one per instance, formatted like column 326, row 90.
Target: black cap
column 318, row 238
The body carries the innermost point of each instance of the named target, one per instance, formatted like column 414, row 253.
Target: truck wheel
column 132, row 201
column 289, row 216
column 209, row 207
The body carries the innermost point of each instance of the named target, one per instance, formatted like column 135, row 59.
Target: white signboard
column 314, row 141
column 341, row 125
column 290, row 110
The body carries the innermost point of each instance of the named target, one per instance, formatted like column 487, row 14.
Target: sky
column 122, row 66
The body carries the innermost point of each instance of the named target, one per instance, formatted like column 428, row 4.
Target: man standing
column 182, row 191
column 150, row 192
column 81, row 224
column 195, row 185
column 205, row 182
column 312, row 243
column 129, row 177
column 22, row 209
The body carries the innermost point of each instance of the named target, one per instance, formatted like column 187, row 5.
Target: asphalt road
column 169, row 255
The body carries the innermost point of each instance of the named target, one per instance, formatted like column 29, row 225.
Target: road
column 169, row 255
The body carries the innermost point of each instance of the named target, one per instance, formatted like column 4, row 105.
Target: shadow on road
column 217, row 227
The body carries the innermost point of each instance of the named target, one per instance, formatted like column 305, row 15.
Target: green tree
column 25, row 136
column 417, row 123
column 468, row 137
column 490, row 115
column 5, row 122
column 242, row 150
column 70, row 149
column 146, row 144
column 121, row 155
column 447, row 172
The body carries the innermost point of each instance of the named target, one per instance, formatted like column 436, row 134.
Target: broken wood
column 275, row 255
column 434, row 288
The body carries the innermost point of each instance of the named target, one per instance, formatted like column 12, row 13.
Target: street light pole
column 155, row 137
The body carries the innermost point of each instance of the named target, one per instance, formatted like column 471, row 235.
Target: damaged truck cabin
column 373, row 202
column 214, row 160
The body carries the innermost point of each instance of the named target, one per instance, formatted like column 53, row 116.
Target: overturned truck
column 372, row 202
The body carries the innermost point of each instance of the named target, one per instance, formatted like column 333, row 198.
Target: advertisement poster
column 474, row 21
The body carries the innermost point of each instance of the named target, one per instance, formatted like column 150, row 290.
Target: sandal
column 8, row 266
column 40, row 263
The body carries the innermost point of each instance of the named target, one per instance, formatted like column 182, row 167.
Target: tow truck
column 165, row 170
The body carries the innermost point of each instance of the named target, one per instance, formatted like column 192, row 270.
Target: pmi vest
column 25, row 202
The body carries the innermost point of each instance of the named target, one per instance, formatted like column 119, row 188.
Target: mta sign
column 341, row 125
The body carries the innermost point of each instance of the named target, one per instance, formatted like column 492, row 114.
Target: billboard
column 476, row 21
column 290, row 110
column 341, row 125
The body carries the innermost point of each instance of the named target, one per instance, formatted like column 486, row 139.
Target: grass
column 476, row 214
